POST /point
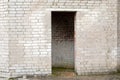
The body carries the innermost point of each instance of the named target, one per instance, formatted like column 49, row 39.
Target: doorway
column 63, row 40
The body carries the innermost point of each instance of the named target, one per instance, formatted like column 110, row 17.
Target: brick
column 25, row 35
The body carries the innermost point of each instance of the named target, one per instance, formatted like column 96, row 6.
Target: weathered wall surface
column 4, row 50
column 29, row 38
column 29, row 34
column 96, row 39
column 118, row 35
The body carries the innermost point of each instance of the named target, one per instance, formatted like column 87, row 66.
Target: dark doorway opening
column 63, row 40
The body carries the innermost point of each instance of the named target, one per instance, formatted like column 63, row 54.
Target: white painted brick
column 25, row 35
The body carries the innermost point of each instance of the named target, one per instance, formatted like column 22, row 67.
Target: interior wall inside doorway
column 63, row 39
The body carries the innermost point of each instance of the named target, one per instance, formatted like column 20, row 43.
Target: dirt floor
column 62, row 74
column 102, row 77
column 98, row 77
column 72, row 76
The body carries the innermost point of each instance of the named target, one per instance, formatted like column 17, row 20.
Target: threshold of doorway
column 64, row 72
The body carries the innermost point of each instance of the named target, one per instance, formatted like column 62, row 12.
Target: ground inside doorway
column 65, row 72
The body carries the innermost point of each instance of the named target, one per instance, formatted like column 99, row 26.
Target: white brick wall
column 96, row 42
column 25, row 35
column 4, row 38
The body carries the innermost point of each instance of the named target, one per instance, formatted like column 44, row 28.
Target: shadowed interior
column 63, row 39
